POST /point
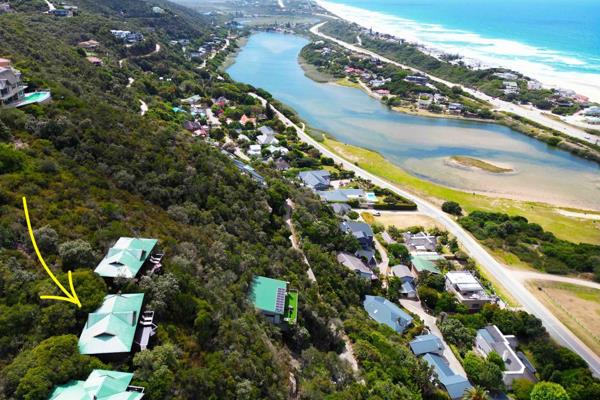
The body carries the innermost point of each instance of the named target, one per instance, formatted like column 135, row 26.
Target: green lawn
column 572, row 229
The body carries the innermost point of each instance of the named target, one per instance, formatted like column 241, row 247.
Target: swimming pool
column 35, row 97
column 371, row 197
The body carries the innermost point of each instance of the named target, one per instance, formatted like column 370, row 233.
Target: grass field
column 569, row 228
column 577, row 307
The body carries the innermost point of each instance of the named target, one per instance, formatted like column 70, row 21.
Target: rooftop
column 126, row 257
column 272, row 296
column 385, row 312
column 100, row 385
column 111, row 328
column 426, row 344
column 500, row 344
column 455, row 385
column 426, row 262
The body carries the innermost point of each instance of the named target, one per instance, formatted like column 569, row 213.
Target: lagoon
column 419, row 145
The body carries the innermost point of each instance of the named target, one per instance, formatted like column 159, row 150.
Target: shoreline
column 581, row 82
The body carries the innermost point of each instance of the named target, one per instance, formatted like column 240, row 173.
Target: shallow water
column 419, row 145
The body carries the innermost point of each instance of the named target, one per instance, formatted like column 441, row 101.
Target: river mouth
column 419, row 145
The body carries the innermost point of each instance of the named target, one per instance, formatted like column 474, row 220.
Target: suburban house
column 593, row 111
column 420, row 241
column 316, row 180
column 246, row 169
column 100, row 385
column 517, row 366
column 342, row 195
column 467, row 289
column 11, row 89
column 278, row 149
column 355, row 264
column 455, row 385
column 341, row 208
column 89, row 45
column 385, row 312
column 95, row 60
column 360, row 230
column 455, row 108
column 405, row 275
column 127, row 36
column 267, row 136
column 255, row 150
column 5, row 8
column 425, row 261
column 417, row 79
column 429, row 343
column 367, row 255
column 281, row 164
column 195, row 99
column 126, row 258
column 245, row 119
column 119, row 323
column 273, row 298
column 61, row 12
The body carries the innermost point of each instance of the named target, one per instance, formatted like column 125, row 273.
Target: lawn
column 403, row 220
column 564, row 227
column 578, row 307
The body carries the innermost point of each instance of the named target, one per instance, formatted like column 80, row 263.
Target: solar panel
column 280, row 300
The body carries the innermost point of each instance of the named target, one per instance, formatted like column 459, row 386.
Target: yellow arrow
column 70, row 297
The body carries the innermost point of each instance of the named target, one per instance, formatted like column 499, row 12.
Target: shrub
column 76, row 253
column 548, row 391
column 452, row 207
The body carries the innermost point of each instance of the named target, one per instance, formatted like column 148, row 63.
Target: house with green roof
column 273, row 298
column 100, row 385
column 126, row 258
column 113, row 328
column 426, row 261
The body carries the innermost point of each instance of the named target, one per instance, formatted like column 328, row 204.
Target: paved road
column 501, row 105
column 506, row 277
column 532, row 275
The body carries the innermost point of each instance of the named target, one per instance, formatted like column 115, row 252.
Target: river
column 419, row 145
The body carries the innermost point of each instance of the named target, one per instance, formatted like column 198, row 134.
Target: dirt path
column 524, row 276
column 294, row 237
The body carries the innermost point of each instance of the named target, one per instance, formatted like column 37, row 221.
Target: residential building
column 425, row 100
column 455, row 385
column 418, row 79
column 5, row 8
column 278, row 149
column 100, row 385
column 341, row 208
column 245, row 119
column 249, row 171
column 273, row 298
column 360, row 230
column 255, row 150
column 95, row 60
column 127, row 256
column 467, row 289
column 510, row 87
column 192, row 100
column 61, row 12
column 507, row 76
column 455, row 108
column 405, row 275
column 367, row 254
column 385, row 312
column 89, row 45
column 316, row 180
column 12, row 90
column 114, row 327
column 517, row 366
column 426, row 261
column 534, row 85
column 281, row 164
column 342, row 195
column 592, row 111
column 158, row 10
column 429, row 343
column 420, row 241
column 267, row 136
column 387, row 238
column 127, row 36
column 355, row 264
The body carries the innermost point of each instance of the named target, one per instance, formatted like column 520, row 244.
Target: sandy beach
column 583, row 83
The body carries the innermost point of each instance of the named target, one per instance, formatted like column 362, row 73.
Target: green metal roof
column 426, row 263
column 111, row 328
column 100, row 385
column 126, row 257
column 264, row 293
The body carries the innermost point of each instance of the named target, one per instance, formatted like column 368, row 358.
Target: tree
column 76, row 253
column 476, row 393
column 522, row 388
column 400, row 252
column 4, row 132
column 548, row 391
column 269, row 113
column 11, row 160
column 353, row 215
column 482, row 372
column 456, row 333
column 452, row 207
column 428, row 296
column 495, row 358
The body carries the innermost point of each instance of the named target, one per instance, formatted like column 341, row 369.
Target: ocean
column 554, row 41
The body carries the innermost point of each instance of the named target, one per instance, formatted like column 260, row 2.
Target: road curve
column 501, row 105
column 513, row 285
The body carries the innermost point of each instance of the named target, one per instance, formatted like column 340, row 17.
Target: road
column 506, row 277
column 500, row 105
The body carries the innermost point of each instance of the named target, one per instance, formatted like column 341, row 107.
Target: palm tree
column 476, row 393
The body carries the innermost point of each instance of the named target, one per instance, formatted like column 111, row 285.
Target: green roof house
column 426, row 262
column 125, row 258
column 111, row 329
column 100, row 385
column 274, row 300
